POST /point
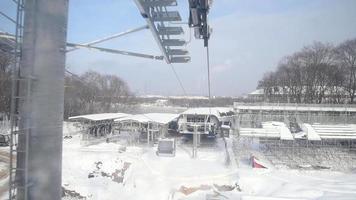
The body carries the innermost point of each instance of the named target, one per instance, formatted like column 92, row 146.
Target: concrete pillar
column 43, row 61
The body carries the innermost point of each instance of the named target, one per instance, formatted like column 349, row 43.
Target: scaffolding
column 324, row 137
column 17, row 79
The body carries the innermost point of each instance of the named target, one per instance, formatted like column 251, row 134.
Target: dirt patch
column 117, row 176
column 215, row 187
column 71, row 194
column 190, row 190
column 225, row 188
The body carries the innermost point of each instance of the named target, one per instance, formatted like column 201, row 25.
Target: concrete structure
column 209, row 120
column 41, row 93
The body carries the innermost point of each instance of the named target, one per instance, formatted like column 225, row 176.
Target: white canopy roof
column 208, row 111
column 161, row 118
column 99, row 117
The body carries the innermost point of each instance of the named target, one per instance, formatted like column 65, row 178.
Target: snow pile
column 71, row 128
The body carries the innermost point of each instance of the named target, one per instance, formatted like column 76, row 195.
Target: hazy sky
column 249, row 38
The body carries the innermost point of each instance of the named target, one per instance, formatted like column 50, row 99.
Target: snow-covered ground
column 147, row 177
column 119, row 171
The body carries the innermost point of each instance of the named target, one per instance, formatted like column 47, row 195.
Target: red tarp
column 256, row 163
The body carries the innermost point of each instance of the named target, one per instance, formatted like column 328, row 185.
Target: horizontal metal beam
column 173, row 42
column 166, row 16
column 182, row 59
column 115, row 51
column 177, row 52
column 170, row 30
column 7, row 17
column 160, row 3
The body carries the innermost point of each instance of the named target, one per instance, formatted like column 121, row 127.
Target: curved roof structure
column 99, row 117
column 160, row 118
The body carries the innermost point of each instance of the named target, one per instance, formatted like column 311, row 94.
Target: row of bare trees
column 90, row 92
column 5, row 82
column 93, row 92
column 319, row 73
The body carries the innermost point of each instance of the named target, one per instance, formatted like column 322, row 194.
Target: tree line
column 91, row 92
column 318, row 73
column 5, row 82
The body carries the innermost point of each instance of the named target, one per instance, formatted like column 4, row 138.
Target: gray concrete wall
column 42, row 110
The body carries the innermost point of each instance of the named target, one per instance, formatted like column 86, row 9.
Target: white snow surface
column 150, row 177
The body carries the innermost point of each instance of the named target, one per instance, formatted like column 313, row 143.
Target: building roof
column 295, row 107
column 161, row 118
column 217, row 111
column 7, row 42
column 257, row 92
column 99, row 117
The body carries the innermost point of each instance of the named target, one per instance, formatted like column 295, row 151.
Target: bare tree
column 318, row 73
column 5, row 82
column 346, row 56
column 93, row 92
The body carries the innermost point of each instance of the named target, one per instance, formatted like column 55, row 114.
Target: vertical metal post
column 148, row 133
column 42, row 62
column 195, row 142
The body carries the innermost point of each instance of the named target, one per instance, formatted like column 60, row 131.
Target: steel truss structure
column 332, row 154
column 159, row 20
column 333, row 148
column 18, row 135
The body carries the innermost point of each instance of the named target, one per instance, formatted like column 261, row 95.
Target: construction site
column 247, row 150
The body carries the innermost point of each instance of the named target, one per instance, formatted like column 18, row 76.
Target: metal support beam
column 114, row 51
column 112, row 37
column 8, row 17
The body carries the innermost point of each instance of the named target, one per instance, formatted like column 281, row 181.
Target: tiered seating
column 335, row 158
column 343, row 132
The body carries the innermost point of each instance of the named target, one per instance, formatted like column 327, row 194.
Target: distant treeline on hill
column 190, row 101
column 319, row 73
